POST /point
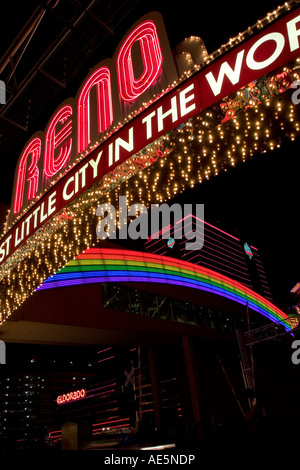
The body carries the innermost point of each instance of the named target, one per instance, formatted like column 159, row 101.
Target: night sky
column 259, row 198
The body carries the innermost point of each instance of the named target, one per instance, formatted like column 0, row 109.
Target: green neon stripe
column 85, row 266
column 170, row 270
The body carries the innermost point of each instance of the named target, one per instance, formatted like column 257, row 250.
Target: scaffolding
column 271, row 331
column 245, row 341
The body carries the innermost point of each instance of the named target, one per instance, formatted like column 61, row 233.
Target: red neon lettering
column 71, row 396
column 129, row 86
column 53, row 140
column 100, row 78
column 33, row 149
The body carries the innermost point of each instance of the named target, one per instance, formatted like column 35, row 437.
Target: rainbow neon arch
column 99, row 265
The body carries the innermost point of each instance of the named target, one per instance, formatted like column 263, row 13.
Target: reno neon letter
column 33, row 149
column 53, row 140
column 100, row 78
column 130, row 87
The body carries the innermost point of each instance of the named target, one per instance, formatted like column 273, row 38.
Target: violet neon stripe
column 114, row 277
column 114, row 265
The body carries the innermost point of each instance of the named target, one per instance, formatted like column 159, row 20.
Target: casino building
column 166, row 331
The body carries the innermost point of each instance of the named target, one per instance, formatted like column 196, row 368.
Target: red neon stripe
column 101, row 388
column 121, row 255
column 229, row 267
column 106, row 359
column 103, row 350
column 210, row 225
column 218, row 243
column 102, row 393
column 108, row 422
column 159, row 260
